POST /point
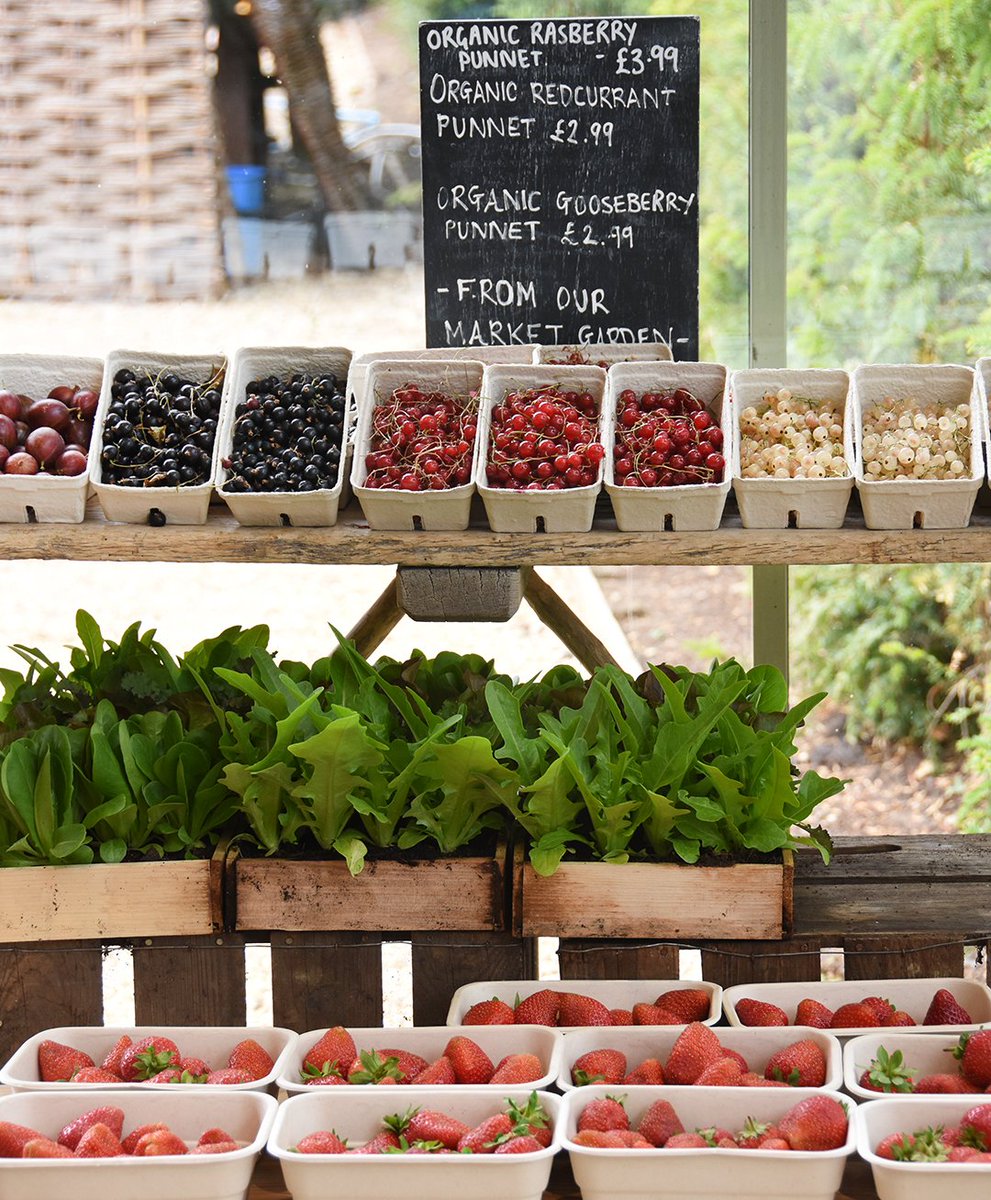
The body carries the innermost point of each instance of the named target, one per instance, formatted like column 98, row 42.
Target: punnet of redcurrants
column 666, row 439
column 288, row 435
column 544, row 439
column 160, row 429
column 46, row 437
column 421, row 441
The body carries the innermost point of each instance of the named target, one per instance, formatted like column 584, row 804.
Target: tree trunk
column 289, row 29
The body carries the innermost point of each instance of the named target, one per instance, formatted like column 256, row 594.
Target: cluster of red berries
column 665, row 439
column 421, row 441
column 99, row 1133
column 544, row 439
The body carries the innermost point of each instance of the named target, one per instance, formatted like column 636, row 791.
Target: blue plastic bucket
column 247, row 187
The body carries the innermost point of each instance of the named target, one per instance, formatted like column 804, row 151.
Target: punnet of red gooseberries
column 666, row 439
column 421, row 441
column 48, row 436
column 544, row 439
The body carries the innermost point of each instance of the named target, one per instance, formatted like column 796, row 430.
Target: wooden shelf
column 221, row 539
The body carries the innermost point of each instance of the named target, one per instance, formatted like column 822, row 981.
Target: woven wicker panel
column 109, row 184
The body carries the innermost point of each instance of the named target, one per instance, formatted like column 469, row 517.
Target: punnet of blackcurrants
column 666, row 439
column 421, row 441
column 49, row 436
column 160, row 429
column 288, row 435
column 544, row 439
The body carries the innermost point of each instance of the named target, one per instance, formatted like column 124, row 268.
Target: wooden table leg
column 559, row 619
column 378, row 622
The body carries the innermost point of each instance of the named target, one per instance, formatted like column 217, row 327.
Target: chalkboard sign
column 560, row 181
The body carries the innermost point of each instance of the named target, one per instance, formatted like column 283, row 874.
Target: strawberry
column 887, row 1073
column 723, row 1072
column 686, row 1141
column 408, row 1064
column 329, row 1055
column 13, row 1138
column 814, row 1014
column 492, row 1132
column 228, row 1076
column 439, row 1072
column 816, row 1123
column 160, row 1142
column 147, row 1056
column 774, row 1144
column 327, row 1081
column 975, row 1127
column 171, row 1075
column 523, row 1144
column 896, row 1146
column 697, row 1046
column 576, row 1009
column 116, row 1053
column 944, row 1084
column 541, row 1008
column 381, row 1143
column 214, row 1136
column 754, row 1134
column 58, row 1063
column 620, row 1016
column 605, row 1113
column 95, row 1075
column 687, row 1004
column 973, row 1052
column 599, row 1066
column 215, row 1148
column 42, row 1147
column 612, row 1139
column 944, row 1010
column 324, row 1141
column 195, row 1067
column 649, row 1071
column 760, row 1013
column 249, row 1056
column 899, row 1018
column 531, row 1118
column 884, row 1010
column 428, row 1125
column 659, row 1123
column 855, row 1016
column 136, row 1134
column 960, row 1154
column 727, row 1053
column 100, row 1141
column 489, row 1012
column 652, row 1014
column 470, row 1062
column 517, row 1068
column 802, row 1064
column 108, row 1115
column 752, row 1079
column 372, row 1066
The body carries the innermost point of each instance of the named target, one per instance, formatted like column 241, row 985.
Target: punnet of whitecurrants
column 906, row 438
column 786, row 436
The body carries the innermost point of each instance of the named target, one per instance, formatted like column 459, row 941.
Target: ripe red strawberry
column 723, row 1072
column 659, row 1123
column 760, row 1013
column 374, row 1066
column 99, row 1141
column 470, row 1062
column 251, row 1057
column 973, row 1052
column 107, row 1114
column 967, row 1154
column 439, row 1072
column 429, row 1125
column 326, row 1081
column 160, row 1142
column 755, row 1133
column 896, row 1146
column 686, row 1141
column 408, row 1064
column 620, row 1016
column 944, row 1084
column 42, row 1147
column 214, row 1136
column 774, row 1144
column 727, row 1053
column 945, row 1010
column 195, row 1067
column 814, row 1014
column 147, row 1056
column 215, row 1148
column 492, row 1132
column 899, row 1018
column 883, row 1009
column 58, row 1063
column 95, row 1075
column 649, row 1071
column 329, row 1055
column 539, row 1009
column 517, row 1068
column 612, row 1139
column 13, row 1138
column 228, row 1076
column 604, row 1113
column 576, row 1009
column 975, row 1127
column 887, row 1073
column 489, row 1012
column 816, row 1123
column 530, row 1118
column 752, row 1079
column 599, row 1066
column 116, row 1053
column 381, row 1143
column 136, row 1134
column 687, row 1004
column 519, row 1145
column 324, row 1141
column 802, row 1064
column 697, row 1046
column 171, row 1075
column 652, row 1014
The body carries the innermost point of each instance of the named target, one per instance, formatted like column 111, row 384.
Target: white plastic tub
column 45, row 498
column 912, row 995
column 429, row 1041
column 924, row 1053
column 915, row 503
column 596, row 353
column 393, row 508
column 694, row 506
column 614, row 993
column 281, row 508
column 656, row 1174
column 638, row 1042
column 919, row 1181
column 784, row 503
column 247, row 1116
column 182, row 505
column 569, row 510
column 355, row 1114
column 211, row 1043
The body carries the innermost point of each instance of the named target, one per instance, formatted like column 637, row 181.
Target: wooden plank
column 586, row 959
column 442, row 962
column 911, row 957
column 40, row 988
column 729, row 963
column 324, row 979
column 121, row 900
column 189, row 980
column 654, row 900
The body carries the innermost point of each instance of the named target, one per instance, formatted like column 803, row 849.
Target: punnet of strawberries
column 678, row 1006
column 969, row 1060
column 816, row 1123
column 666, row 439
column 872, row 1012
column 969, row 1141
column 99, row 1133
column 421, row 441
column 511, row 1129
column 544, row 439
column 151, row 1059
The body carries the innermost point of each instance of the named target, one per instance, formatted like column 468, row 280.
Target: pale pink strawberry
column 136, row 1134
column 42, row 1147
column 612, row 1139
column 228, row 1076
column 215, row 1148
column 685, row 1141
column 160, row 1142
